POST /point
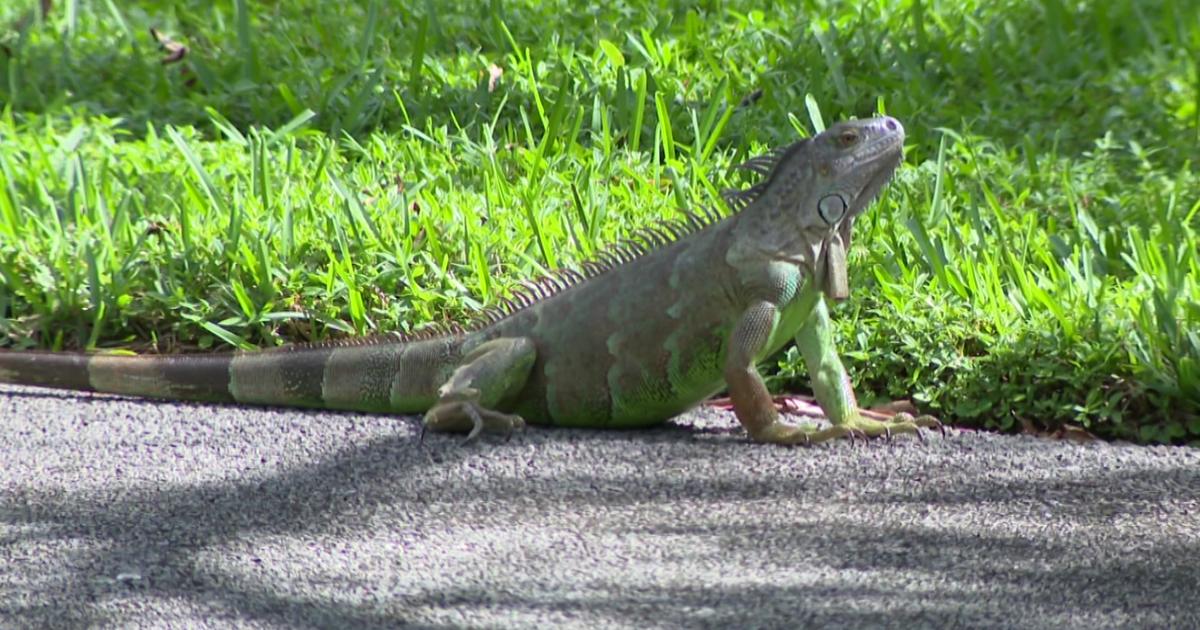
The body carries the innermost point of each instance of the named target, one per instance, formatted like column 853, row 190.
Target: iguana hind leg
column 490, row 374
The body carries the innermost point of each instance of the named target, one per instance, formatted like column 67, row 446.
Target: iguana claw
column 476, row 422
column 924, row 421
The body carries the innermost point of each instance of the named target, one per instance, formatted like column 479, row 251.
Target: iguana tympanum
column 632, row 339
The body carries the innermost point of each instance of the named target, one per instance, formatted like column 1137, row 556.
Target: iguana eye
column 832, row 208
column 847, row 137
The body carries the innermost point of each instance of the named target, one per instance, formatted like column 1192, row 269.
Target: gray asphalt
column 124, row 513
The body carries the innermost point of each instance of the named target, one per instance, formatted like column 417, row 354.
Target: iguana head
column 815, row 188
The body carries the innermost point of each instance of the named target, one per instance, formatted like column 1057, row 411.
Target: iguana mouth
column 881, row 146
column 889, row 150
column 883, row 157
column 889, row 145
column 879, row 179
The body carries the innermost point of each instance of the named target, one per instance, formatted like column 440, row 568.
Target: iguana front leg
column 491, row 373
column 753, row 405
column 752, row 402
column 831, row 383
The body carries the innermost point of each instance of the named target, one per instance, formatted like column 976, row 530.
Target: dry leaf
column 173, row 50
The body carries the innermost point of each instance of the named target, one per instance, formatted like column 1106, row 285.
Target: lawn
column 307, row 170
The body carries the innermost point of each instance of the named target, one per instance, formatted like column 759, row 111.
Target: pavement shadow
column 162, row 530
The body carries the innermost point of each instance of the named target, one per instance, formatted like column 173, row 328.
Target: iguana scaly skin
column 636, row 337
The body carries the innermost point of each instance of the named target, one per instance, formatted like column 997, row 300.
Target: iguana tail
column 395, row 377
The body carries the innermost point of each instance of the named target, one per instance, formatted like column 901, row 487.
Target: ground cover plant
column 252, row 173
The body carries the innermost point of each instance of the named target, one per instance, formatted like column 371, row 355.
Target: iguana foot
column 793, row 435
column 858, row 427
column 896, row 424
column 900, row 415
column 494, row 371
column 895, row 418
column 467, row 416
column 923, row 421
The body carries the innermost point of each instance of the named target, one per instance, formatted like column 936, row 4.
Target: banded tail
column 377, row 377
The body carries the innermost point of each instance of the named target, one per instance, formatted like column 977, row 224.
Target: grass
column 311, row 170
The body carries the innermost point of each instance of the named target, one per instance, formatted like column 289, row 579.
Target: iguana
column 634, row 337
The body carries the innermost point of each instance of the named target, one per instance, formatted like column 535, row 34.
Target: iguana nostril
column 893, row 125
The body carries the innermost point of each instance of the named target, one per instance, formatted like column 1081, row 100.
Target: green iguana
column 635, row 337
